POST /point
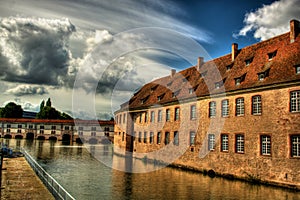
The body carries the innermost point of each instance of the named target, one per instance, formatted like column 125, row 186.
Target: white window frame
column 193, row 112
column 224, row 142
column 295, row 146
column 265, row 141
column 240, row 143
column 225, row 108
column 295, row 101
column 212, row 109
column 256, row 105
column 240, row 106
column 211, row 142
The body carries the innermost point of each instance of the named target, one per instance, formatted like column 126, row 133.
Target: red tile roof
column 57, row 121
column 280, row 69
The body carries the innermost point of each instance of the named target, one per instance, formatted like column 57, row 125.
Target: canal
column 84, row 177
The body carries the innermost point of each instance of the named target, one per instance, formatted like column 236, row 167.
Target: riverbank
column 19, row 181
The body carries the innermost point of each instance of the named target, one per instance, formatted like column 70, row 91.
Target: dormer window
column 203, row 74
column 160, row 97
column 297, row 68
column 144, row 99
column 169, row 84
column 240, row 79
column 191, row 90
column 175, row 94
column 263, row 75
column 228, row 67
column 185, row 79
column 248, row 61
column 220, row 83
column 272, row 55
column 154, row 88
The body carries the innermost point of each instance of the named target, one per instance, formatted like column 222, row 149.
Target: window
column 53, row 127
column 211, row 142
column 191, row 90
column 295, row 101
column 168, row 115
column 295, row 145
column 239, row 143
column 145, row 137
column 261, row 76
column 176, row 138
column 80, row 133
column 228, row 67
column 193, row 112
column 93, row 134
column 167, row 138
column 93, row 128
column 239, row 106
column 19, row 128
column 159, row 118
column 8, row 126
column 297, row 68
column 152, row 116
column 225, row 108
column 217, row 85
column 212, row 109
column 160, row 97
column 248, row 61
column 30, row 126
column 42, row 129
column 141, row 117
column 240, row 79
column 123, row 136
column 151, row 137
column 158, row 138
column 272, row 55
column 140, row 136
column 192, row 138
column 224, row 142
column 265, row 144
column 124, row 118
column 256, row 105
column 80, row 128
column 177, row 114
column 146, row 116
column 66, row 128
column 120, row 119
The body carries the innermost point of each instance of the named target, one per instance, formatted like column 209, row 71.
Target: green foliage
column 48, row 103
column 48, row 112
column 11, row 110
column 42, row 105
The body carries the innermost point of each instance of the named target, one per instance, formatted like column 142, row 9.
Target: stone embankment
column 19, row 181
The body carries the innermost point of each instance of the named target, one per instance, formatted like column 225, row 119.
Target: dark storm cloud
column 34, row 50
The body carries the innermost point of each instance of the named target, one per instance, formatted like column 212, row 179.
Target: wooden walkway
column 19, row 181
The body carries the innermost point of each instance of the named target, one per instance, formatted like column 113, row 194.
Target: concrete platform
column 19, row 181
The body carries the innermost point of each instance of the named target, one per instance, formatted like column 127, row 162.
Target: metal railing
column 53, row 186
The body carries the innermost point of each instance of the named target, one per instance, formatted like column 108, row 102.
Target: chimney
column 294, row 30
column 234, row 51
column 200, row 62
column 173, row 72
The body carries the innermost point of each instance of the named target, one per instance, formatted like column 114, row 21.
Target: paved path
column 20, row 181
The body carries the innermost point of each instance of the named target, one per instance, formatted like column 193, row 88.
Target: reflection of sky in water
column 84, row 177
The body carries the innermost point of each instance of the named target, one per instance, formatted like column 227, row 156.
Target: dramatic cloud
column 24, row 104
column 34, row 50
column 271, row 20
column 22, row 90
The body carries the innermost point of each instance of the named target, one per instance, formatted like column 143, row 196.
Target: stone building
column 92, row 131
column 236, row 115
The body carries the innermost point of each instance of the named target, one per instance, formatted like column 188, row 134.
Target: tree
column 42, row 105
column 48, row 103
column 11, row 110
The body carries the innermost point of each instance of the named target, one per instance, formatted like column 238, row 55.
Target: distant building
column 91, row 131
column 237, row 115
column 29, row 115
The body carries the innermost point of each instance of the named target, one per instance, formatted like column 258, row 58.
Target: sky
column 90, row 56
